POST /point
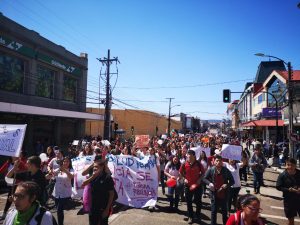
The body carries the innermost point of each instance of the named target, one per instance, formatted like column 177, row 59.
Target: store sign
column 29, row 52
column 16, row 46
column 270, row 112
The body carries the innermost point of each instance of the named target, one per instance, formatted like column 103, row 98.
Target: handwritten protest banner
column 199, row 149
column 142, row 141
column 136, row 180
column 11, row 139
column 231, row 152
column 79, row 164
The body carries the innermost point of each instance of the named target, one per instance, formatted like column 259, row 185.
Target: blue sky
column 189, row 50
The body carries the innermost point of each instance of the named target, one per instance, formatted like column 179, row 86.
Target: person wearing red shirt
column 248, row 212
column 192, row 172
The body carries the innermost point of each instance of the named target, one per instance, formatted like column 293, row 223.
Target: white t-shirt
column 63, row 186
column 235, row 173
column 172, row 170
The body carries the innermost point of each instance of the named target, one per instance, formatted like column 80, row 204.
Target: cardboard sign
column 231, row 152
column 142, row 141
column 11, row 139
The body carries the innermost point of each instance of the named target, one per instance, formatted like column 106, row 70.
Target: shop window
column 11, row 73
column 260, row 99
column 45, row 82
column 70, row 89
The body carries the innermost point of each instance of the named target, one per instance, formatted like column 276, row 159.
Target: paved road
column 271, row 203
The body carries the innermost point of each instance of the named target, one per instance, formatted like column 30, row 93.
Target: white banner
column 231, row 152
column 199, row 149
column 11, row 139
column 79, row 164
column 136, row 180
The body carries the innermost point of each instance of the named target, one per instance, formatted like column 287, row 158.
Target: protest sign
column 142, row 141
column 199, row 149
column 136, row 180
column 79, row 164
column 11, row 139
column 231, row 152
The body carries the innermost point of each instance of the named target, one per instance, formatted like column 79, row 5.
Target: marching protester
column 248, row 212
column 243, row 170
column 289, row 183
column 234, row 167
column 204, row 163
column 192, row 173
column 219, row 179
column 27, row 209
column 102, row 194
column 63, row 187
column 172, row 172
column 258, row 163
column 33, row 173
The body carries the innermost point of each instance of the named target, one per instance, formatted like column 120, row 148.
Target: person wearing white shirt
column 234, row 167
column 63, row 187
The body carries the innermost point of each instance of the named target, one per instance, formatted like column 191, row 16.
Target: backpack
column 39, row 217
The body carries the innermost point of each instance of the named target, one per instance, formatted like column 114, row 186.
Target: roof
column 257, row 88
column 265, row 68
column 285, row 75
column 263, row 123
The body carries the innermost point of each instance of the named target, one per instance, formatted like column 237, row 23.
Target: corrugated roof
column 263, row 123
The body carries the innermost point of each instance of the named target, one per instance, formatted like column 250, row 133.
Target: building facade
column 131, row 122
column 42, row 85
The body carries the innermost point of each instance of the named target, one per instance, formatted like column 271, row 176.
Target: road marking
column 276, row 207
column 276, row 217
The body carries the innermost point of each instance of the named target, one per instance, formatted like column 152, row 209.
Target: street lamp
column 288, row 64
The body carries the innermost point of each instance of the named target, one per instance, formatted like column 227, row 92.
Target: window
column 45, row 82
column 260, row 99
column 70, row 88
column 11, row 73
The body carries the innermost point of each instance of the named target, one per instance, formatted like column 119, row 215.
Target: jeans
column 171, row 192
column 162, row 181
column 197, row 196
column 215, row 205
column 232, row 199
column 96, row 219
column 257, row 180
column 243, row 173
column 60, row 205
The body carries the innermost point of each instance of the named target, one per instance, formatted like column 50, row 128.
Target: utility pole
column 290, row 93
column 169, row 117
column 107, row 129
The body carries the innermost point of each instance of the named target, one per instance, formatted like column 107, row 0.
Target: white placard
column 11, row 139
column 231, row 152
column 199, row 149
column 79, row 164
column 136, row 181
column 75, row 142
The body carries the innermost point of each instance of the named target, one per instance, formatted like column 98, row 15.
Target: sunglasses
column 19, row 196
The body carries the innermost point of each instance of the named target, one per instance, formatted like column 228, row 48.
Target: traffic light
column 132, row 128
column 226, row 95
column 116, row 126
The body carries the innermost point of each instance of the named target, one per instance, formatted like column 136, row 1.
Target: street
column 271, row 203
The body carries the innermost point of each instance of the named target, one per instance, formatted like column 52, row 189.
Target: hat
column 191, row 152
column 56, row 148
column 217, row 152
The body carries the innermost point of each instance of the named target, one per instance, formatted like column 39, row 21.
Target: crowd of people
column 186, row 177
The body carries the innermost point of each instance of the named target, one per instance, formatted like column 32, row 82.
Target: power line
column 186, row 86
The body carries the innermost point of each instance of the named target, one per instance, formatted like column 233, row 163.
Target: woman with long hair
column 248, row 212
column 172, row 172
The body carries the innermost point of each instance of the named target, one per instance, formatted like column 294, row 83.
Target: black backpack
column 39, row 217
